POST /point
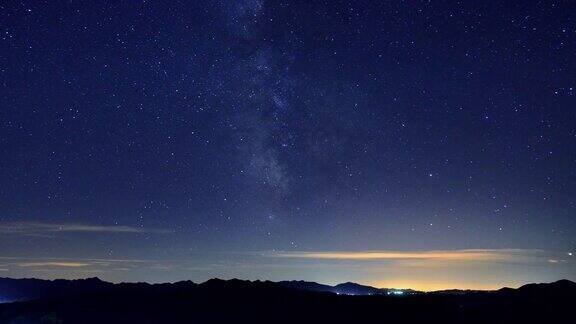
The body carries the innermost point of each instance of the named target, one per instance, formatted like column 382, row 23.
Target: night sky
column 394, row 143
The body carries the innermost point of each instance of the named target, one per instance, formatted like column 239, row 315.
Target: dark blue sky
column 207, row 132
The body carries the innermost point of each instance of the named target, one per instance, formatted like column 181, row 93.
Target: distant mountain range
column 95, row 301
column 28, row 289
column 347, row 288
column 12, row 290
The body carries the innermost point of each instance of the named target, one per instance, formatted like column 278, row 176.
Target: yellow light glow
column 53, row 264
column 425, row 285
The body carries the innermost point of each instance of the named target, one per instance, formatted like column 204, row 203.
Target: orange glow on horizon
column 436, row 285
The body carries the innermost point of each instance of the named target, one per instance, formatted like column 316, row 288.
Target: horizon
column 288, row 280
column 416, row 144
column 425, row 270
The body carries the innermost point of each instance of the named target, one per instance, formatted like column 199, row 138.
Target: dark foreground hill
column 237, row 301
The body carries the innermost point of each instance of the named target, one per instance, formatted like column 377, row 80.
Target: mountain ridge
column 23, row 289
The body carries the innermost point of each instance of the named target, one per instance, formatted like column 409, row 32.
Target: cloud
column 486, row 255
column 49, row 229
column 68, row 266
column 53, row 264
column 556, row 261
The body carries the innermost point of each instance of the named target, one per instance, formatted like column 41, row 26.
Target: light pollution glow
column 424, row 285
column 482, row 269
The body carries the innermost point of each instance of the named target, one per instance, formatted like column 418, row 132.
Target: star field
column 205, row 132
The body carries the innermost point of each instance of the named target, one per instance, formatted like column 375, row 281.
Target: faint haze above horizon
column 419, row 270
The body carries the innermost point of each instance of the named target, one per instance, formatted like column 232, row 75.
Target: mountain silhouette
column 216, row 301
column 307, row 285
column 347, row 288
column 351, row 288
column 27, row 289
